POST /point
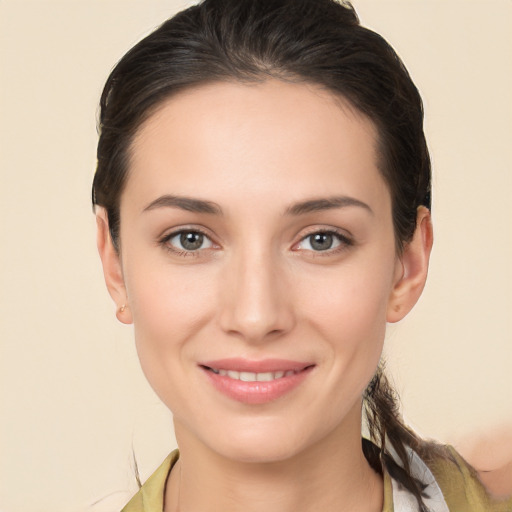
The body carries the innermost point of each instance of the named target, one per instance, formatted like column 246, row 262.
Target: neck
column 332, row 475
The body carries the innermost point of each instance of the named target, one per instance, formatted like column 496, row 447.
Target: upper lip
column 256, row 366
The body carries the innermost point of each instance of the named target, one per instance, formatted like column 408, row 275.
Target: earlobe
column 112, row 268
column 414, row 264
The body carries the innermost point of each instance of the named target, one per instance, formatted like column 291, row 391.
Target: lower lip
column 256, row 392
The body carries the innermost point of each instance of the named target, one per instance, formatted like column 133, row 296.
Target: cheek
column 351, row 303
column 169, row 306
column 348, row 308
column 166, row 297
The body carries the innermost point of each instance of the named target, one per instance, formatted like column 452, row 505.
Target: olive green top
column 460, row 486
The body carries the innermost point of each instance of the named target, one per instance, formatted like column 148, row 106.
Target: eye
column 188, row 241
column 322, row 241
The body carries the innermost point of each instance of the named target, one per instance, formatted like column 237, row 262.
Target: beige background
column 73, row 400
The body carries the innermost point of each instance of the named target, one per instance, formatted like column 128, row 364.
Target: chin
column 264, row 452
column 262, row 442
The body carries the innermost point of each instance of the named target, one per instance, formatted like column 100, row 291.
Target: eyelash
column 164, row 242
column 344, row 242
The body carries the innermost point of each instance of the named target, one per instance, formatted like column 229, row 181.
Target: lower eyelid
column 344, row 242
column 343, row 239
column 165, row 242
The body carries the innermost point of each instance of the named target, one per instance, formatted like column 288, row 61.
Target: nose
column 256, row 301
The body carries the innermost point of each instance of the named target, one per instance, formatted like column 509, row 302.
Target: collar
column 150, row 498
column 404, row 500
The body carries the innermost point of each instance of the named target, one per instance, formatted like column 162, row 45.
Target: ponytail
column 389, row 434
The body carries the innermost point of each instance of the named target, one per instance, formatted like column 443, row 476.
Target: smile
column 253, row 377
column 255, row 382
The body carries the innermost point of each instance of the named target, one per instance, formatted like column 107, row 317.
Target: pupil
column 321, row 241
column 191, row 241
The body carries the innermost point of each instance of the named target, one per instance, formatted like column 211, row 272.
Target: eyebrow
column 329, row 203
column 184, row 203
column 201, row 206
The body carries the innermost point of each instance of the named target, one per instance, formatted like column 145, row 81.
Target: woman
column 263, row 195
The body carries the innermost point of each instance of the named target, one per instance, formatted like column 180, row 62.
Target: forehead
column 271, row 138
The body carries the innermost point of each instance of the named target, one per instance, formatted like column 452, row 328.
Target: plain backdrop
column 74, row 403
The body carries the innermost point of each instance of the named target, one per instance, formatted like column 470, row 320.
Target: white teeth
column 252, row 376
column 265, row 377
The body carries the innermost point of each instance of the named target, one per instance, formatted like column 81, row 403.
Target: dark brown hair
column 312, row 41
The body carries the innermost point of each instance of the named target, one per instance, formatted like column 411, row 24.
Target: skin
column 490, row 452
column 257, row 289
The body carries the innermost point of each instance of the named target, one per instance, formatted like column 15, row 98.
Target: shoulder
column 150, row 497
column 462, row 486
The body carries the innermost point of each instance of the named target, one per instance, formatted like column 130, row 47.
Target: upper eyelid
column 345, row 242
column 176, row 231
column 164, row 240
column 341, row 233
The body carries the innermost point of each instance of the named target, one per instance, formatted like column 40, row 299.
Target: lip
column 257, row 366
column 258, row 392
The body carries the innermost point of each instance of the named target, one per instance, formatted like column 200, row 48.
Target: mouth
column 252, row 376
column 256, row 382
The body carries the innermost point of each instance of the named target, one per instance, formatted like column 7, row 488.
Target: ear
column 112, row 268
column 412, row 269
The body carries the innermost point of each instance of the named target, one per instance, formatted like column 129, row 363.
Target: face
column 258, row 260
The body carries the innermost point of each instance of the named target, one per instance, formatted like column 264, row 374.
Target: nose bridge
column 254, row 305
